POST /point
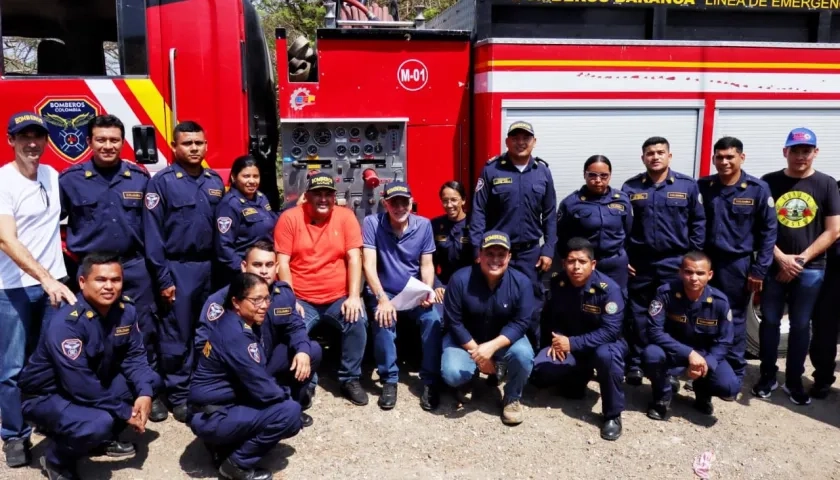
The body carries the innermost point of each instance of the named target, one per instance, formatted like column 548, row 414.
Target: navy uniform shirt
column 679, row 325
column 590, row 315
column 668, row 218
column 453, row 249
column 521, row 204
column 472, row 311
column 232, row 368
column 740, row 220
column 240, row 223
column 90, row 360
column 283, row 325
column 605, row 220
column 104, row 208
column 179, row 218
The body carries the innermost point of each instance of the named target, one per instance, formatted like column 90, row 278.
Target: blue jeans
column 800, row 295
column 385, row 347
column 353, row 336
column 21, row 313
column 457, row 368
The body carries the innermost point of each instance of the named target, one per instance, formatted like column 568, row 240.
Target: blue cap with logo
column 20, row 121
column 801, row 136
column 524, row 126
column 397, row 189
column 495, row 238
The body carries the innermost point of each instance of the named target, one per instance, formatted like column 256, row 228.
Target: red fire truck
column 375, row 98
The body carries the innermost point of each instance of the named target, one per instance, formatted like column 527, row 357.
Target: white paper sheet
column 412, row 295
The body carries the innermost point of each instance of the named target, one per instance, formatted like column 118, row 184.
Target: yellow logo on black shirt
column 796, row 209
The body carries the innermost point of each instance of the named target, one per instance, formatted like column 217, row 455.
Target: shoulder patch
column 71, row 348
column 223, row 224
column 214, row 311
column 254, row 352
column 152, row 200
column 654, row 308
column 611, row 307
column 478, row 186
column 771, row 203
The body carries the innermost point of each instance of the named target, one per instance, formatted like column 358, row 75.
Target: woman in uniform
column 602, row 215
column 236, row 407
column 242, row 217
column 452, row 240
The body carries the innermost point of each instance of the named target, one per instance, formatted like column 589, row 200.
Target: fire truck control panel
column 361, row 154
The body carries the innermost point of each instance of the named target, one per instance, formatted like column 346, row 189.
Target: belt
column 206, row 409
column 518, row 247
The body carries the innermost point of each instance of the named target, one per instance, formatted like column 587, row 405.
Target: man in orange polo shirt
column 319, row 254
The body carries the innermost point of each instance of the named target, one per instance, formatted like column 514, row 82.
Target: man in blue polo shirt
column 487, row 311
column 398, row 245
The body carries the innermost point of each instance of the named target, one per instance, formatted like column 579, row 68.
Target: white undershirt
column 521, row 168
column 37, row 225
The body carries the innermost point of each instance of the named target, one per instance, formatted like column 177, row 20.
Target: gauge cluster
column 361, row 155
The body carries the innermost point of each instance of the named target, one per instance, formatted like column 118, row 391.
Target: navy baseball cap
column 495, row 238
column 321, row 180
column 524, row 126
column 801, row 136
column 397, row 189
column 20, row 121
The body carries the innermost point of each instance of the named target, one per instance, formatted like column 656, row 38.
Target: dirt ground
column 751, row 439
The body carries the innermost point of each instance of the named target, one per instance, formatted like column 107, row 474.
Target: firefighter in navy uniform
column 453, row 249
column 179, row 223
column 236, row 407
column 690, row 331
column 600, row 214
column 515, row 194
column 668, row 222
column 740, row 220
column 102, row 200
column 89, row 376
column 243, row 217
column 585, row 314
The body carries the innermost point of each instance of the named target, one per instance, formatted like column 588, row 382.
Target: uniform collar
column 181, row 173
column 87, row 312
column 241, row 196
column 705, row 297
column 90, row 170
column 508, row 163
column 670, row 179
column 584, row 195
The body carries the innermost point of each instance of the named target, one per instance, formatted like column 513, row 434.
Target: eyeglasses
column 45, row 197
column 594, row 175
column 258, row 301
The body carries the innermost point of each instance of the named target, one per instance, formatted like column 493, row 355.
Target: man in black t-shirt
column 808, row 210
column 826, row 322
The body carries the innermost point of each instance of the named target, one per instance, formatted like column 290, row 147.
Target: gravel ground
column 751, row 439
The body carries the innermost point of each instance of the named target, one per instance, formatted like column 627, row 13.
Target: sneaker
column 430, row 399
column 513, row 413
column 17, row 452
column 820, row 390
column 353, row 391
column 765, row 386
column 797, row 395
column 388, row 399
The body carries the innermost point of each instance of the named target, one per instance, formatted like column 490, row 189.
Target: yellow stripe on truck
column 151, row 100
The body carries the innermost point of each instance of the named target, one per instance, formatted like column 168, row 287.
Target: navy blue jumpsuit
column 676, row 327
column 179, row 222
column 236, row 405
column 740, row 220
column 84, row 377
column 104, row 211
column 592, row 317
column 668, row 222
column 606, row 221
column 240, row 223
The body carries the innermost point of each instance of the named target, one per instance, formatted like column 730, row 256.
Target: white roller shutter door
column 567, row 137
column 764, row 132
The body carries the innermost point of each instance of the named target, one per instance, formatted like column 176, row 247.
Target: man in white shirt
column 30, row 264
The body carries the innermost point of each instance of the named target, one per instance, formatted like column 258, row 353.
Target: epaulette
column 540, row 160
column 718, row 294
column 127, row 299
column 707, row 179
column 638, row 176
column 493, row 159
column 71, row 169
column 681, row 176
column 137, row 168
column 209, row 172
column 75, row 314
column 603, row 286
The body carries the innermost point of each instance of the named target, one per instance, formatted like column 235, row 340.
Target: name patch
column 214, row 192
column 677, row 318
column 680, row 195
column 707, row 322
column 122, row 331
column 591, row 308
column 616, row 206
column 133, row 195
column 441, row 238
column 465, row 239
column 743, row 201
column 283, row 311
column 249, row 211
column 638, row 196
column 502, row 180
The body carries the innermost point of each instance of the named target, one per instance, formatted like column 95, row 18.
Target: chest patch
column 616, row 206
column 133, row 195
column 743, row 201
column 502, row 180
column 591, row 308
column 122, row 331
column 152, row 200
column 465, row 240
column 71, row 348
column 214, row 192
column 254, row 352
column 677, row 318
column 283, row 311
column 441, row 238
column 223, row 224
column 706, row 322
column 214, row 311
column 249, row 211
column 680, row 195
column 638, row 196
